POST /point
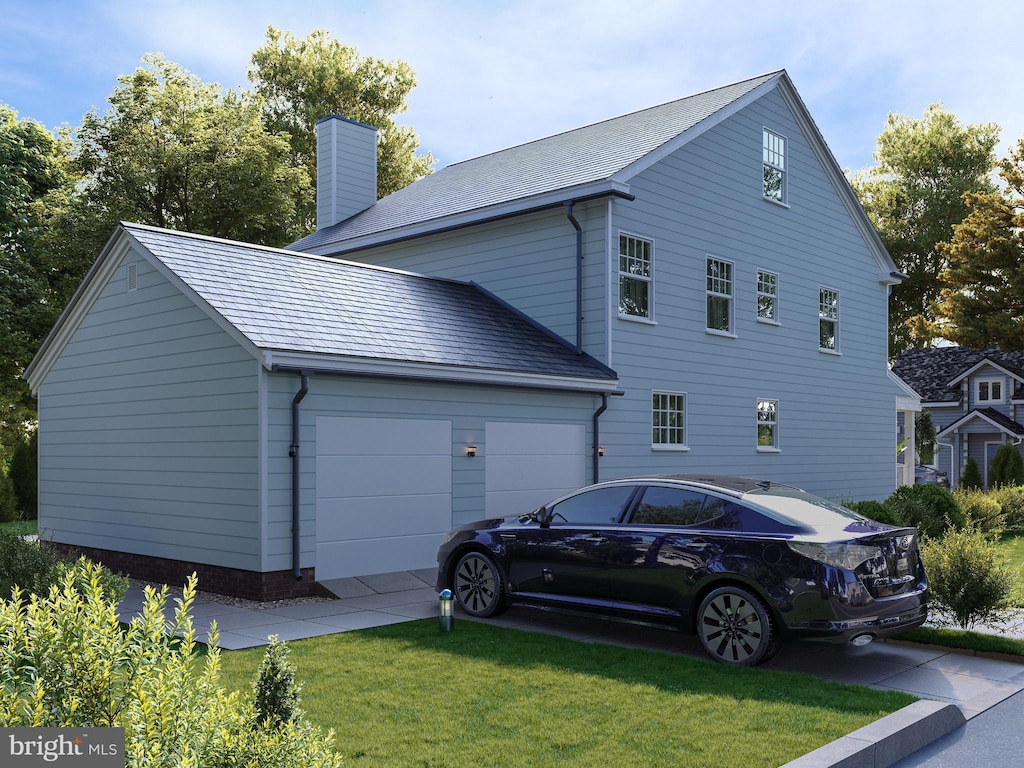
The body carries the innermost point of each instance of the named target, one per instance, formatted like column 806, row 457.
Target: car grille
column 896, row 571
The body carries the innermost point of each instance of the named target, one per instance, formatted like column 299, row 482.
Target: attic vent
column 133, row 276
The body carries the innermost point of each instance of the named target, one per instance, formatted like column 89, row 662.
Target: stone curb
column 888, row 740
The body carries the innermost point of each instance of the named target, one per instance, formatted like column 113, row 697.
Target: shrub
column 23, row 563
column 967, row 579
column 112, row 585
column 67, row 661
column 25, row 475
column 1007, row 468
column 1011, row 500
column 982, row 509
column 875, row 510
column 930, row 508
column 8, row 501
column 275, row 693
column 972, row 476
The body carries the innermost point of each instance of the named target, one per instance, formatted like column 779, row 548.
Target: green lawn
column 409, row 695
column 22, row 527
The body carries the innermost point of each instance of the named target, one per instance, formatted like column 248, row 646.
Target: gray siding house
column 689, row 288
column 975, row 398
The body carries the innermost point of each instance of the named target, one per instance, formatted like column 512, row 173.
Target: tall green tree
column 302, row 81
column 915, row 197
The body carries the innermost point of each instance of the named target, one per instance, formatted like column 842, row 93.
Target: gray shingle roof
column 930, row 371
column 585, row 155
column 286, row 301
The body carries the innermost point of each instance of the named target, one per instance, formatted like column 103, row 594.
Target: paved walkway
column 972, row 685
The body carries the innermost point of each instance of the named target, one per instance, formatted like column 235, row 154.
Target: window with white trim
column 668, row 419
column 988, row 391
column 828, row 319
column 636, row 276
column 767, row 296
column 767, row 425
column 774, row 154
column 719, row 290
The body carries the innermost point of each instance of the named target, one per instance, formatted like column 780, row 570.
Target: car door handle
column 596, row 538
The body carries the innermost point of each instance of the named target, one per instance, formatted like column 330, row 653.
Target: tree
column 302, row 81
column 914, row 197
column 924, row 437
column 971, row 478
column 982, row 301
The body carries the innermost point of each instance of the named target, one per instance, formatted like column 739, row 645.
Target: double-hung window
column 668, row 419
column 774, row 154
column 767, row 297
column 828, row 319
column 636, row 276
column 719, row 291
column 767, row 425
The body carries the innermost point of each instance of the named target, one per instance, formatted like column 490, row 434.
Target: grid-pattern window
column 719, row 289
column 767, row 296
column 668, row 417
column 635, row 276
column 989, row 391
column 828, row 319
column 774, row 153
column 767, row 423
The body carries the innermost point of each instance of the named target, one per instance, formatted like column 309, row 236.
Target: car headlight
column 848, row 556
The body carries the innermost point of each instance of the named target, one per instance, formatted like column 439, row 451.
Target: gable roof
column 936, row 373
column 996, row 419
column 297, row 310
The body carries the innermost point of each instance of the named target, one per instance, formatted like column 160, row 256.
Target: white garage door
column 529, row 464
column 383, row 494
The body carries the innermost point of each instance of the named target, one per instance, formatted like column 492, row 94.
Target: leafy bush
column 968, row 580
column 874, row 510
column 1011, row 500
column 982, row 509
column 66, row 661
column 112, row 585
column 971, row 478
column 1007, row 467
column 8, row 501
column 23, row 563
column 930, row 508
column 275, row 693
column 25, row 475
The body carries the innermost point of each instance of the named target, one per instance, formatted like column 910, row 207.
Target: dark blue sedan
column 741, row 563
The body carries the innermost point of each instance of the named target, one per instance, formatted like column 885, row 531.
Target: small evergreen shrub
column 874, row 510
column 967, row 579
column 1007, row 468
column 930, row 508
column 8, row 501
column 25, row 475
column 23, row 563
column 971, row 478
column 982, row 509
column 1011, row 500
column 275, row 692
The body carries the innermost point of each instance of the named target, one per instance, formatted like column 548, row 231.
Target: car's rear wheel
column 735, row 627
column 478, row 585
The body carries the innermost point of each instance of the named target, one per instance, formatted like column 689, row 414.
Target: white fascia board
column 362, row 366
column 474, row 216
column 909, row 392
column 982, row 364
column 956, row 425
column 943, row 404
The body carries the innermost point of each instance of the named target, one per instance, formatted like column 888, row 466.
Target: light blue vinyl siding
column 148, row 431
column 468, row 408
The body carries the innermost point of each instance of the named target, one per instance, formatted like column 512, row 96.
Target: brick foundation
column 251, row 585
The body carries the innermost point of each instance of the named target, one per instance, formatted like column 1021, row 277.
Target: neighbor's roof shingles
column 931, row 371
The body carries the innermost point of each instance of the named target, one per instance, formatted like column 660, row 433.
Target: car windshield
column 800, row 507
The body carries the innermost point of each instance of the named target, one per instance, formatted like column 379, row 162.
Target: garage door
column 383, row 494
column 529, row 464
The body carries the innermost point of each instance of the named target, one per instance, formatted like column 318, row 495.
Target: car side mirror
column 543, row 516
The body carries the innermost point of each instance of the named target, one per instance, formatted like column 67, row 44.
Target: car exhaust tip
column 861, row 640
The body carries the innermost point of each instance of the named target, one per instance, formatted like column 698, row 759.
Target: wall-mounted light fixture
column 600, row 450
column 471, row 451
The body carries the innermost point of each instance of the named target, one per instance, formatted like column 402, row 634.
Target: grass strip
column 408, row 695
column 21, row 527
column 965, row 640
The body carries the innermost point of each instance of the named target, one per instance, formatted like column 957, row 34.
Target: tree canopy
column 915, row 197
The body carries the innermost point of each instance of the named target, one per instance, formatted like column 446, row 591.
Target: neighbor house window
column 635, row 276
column 828, row 319
column 767, row 425
column 774, row 167
column 988, row 390
column 719, row 289
column 767, row 296
column 668, row 417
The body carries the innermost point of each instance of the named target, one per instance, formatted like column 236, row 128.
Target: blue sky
column 492, row 74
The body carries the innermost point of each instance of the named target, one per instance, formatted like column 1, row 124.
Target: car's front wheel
column 735, row 627
column 478, row 585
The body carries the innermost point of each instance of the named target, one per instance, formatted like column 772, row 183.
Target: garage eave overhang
column 333, row 365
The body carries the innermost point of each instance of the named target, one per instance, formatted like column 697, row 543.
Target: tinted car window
column 736, row 517
column 668, row 506
column 603, row 505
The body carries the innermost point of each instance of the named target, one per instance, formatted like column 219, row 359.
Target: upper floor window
column 767, row 296
column 774, row 147
column 767, row 425
column 988, row 391
column 828, row 319
column 635, row 276
column 668, row 419
column 719, row 290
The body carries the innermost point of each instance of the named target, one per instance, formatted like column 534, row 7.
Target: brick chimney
column 346, row 169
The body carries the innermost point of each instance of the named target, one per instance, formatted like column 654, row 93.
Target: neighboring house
column 976, row 399
column 689, row 288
